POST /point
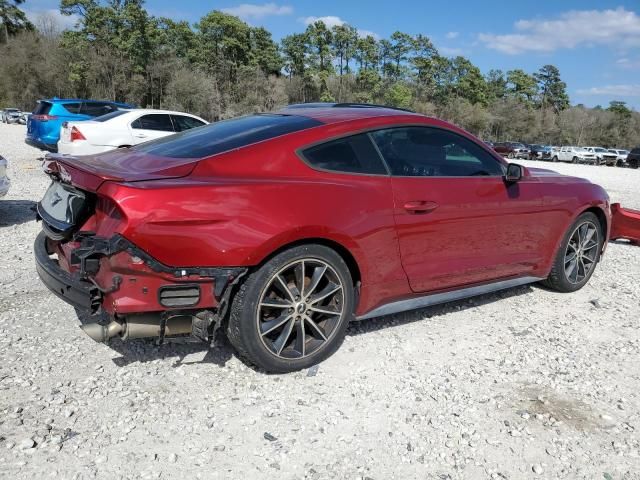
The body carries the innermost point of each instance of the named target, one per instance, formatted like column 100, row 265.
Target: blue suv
column 43, row 126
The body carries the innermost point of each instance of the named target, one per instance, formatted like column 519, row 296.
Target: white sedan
column 122, row 128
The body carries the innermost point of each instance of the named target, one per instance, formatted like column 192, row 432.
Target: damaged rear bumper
column 67, row 286
column 93, row 272
column 625, row 224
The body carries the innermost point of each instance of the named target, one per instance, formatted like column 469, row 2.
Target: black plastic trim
column 178, row 288
column 73, row 290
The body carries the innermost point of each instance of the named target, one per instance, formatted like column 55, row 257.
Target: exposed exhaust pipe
column 138, row 326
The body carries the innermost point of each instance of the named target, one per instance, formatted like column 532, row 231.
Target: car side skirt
column 444, row 297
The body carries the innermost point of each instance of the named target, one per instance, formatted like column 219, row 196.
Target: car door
column 151, row 126
column 458, row 222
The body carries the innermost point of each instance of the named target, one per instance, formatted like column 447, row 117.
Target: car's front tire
column 577, row 256
column 293, row 311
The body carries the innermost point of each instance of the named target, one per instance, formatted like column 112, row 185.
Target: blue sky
column 595, row 44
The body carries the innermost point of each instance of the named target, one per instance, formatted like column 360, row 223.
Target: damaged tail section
column 625, row 224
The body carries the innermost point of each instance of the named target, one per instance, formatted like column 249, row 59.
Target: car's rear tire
column 633, row 163
column 577, row 256
column 293, row 311
column 574, row 160
column 555, row 158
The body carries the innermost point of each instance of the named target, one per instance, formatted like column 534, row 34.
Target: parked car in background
column 633, row 159
column 574, row 155
column 512, row 150
column 43, row 126
column 281, row 228
column 4, row 179
column 122, row 128
column 603, row 156
column 621, row 156
column 539, row 152
column 10, row 115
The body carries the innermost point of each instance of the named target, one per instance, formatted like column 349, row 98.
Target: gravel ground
column 522, row 384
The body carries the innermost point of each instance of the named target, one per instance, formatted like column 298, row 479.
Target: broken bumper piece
column 625, row 224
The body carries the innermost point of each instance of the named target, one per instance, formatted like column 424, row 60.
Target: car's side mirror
column 514, row 173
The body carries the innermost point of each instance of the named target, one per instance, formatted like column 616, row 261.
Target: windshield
column 600, row 150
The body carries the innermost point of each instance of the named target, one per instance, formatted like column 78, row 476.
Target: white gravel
column 523, row 384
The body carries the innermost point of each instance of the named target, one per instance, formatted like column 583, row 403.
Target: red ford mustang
column 283, row 227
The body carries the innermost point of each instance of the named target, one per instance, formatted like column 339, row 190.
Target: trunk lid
column 121, row 165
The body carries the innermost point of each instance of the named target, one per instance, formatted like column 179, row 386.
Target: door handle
column 420, row 206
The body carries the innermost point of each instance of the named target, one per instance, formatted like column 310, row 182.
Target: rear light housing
column 76, row 134
column 44, row 118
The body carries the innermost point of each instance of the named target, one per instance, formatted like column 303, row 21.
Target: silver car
column 11, row 115
column 4, row 180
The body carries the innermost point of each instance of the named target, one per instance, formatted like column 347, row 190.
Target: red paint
column 625, row 223
column 407, row 235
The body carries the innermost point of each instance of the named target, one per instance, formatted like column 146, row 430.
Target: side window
column 72, row 107
column 95, row 109
column 182, row 123
column 154, row 121
column 355, row 154
column 433, row 152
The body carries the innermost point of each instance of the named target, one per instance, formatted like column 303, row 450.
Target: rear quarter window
column 226, row 135
column 96, row 109
column 72, row 107
column 354, row 154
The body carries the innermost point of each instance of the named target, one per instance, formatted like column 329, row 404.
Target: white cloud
column 329, row 20
column 332, row 21
column 628, row 63
column 250, row 11
column 367, row 33
column 613, row 90
column 452, row 35
column 64, row 22
column 618, row 28
column 451, row 51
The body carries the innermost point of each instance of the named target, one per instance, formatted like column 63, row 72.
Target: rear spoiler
column 625, row 224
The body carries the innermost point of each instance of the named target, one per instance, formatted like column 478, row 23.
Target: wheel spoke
column 569, row 258
column 299, row 271
column 282, row 339
column 325, row 292
column 270, row 325
column 584, row 270
column 589, row 235
column 275, row 303
column 315, row 327
column 301, row 341
column 572, row 266
column 282, row 285
column 589, row 247
column 322, row 310
column 318, row 273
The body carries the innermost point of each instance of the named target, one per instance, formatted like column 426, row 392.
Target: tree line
column 222, row 67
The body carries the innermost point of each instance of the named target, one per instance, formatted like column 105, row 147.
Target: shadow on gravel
column 15, row 212
column 145, row 350
column 403, row 318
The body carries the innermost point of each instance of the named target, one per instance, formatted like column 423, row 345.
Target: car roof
column 329, row 113
column 155, row 110
column 66, row 100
